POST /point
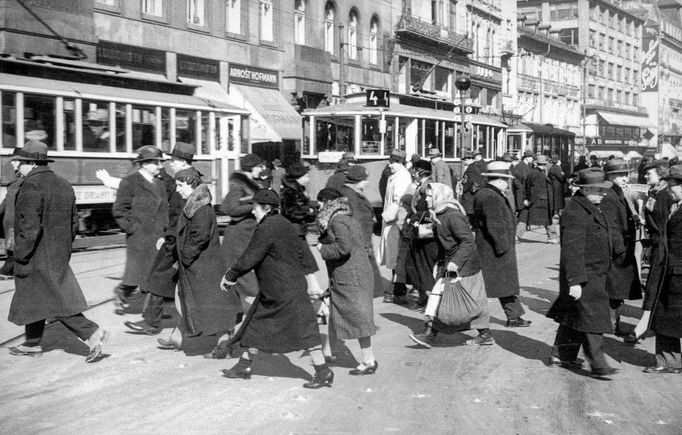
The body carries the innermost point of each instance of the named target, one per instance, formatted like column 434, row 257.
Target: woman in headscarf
column 343, row 247
column 458, row 258
column 281, row 318
column 207, row 312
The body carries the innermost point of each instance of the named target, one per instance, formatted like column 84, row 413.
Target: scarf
column 330, row 209
column 443, row 197
column 200, row 196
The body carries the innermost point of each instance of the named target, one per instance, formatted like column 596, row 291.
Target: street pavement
column 449, row 389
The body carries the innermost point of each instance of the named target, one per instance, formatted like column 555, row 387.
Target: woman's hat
column 674, row 172
column 184, row 151
column 328, row 194
column 297, row 170
column 356, row 174
column 422, row 167
column 33, row 150
column 189, row 174
column 592, row 177
column 415, row 158
column 277, row 162
column 147, row 153
column 249, row 161
column 616, row 166
column 497, row 169
column 266, row 196
column 398, row 156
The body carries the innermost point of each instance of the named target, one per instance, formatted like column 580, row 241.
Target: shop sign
column 198, row 67
column 649, row 68
column 252, row 76
column 132, row 57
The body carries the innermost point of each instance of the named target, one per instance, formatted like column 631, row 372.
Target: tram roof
column 397, row 109
column 539, row 128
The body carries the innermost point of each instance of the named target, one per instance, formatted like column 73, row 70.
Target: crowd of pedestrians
column 439, row 234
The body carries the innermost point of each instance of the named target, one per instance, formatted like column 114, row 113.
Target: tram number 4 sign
column 378, row 98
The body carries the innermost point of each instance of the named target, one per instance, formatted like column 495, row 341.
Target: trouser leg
column 34, row 332
column 668, row 352
column 520, row 229
column 79, row 325
column 8, row 267
column 551, row 232
column 512, row 307
column 567, row 343
column 152, row 311
column 593, row 345
column 614, row 310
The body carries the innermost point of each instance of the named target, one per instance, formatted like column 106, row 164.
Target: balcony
column 415, row 27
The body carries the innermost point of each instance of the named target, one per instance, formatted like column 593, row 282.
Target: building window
column 374, row 41
column 619, row 73
column 563, row 12
column 196, row 12
column 353, row 35
column 299, row 22
column 266, row 21
column 329, row 18
column 570, row 36
column 152, row 7
column 233, row 12
column 591, row 89
column 593, row 38
column 453, row 15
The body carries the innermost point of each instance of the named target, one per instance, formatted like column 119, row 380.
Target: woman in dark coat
column 663, row 299
column 539, row 198
column 282, row 318
column 343, row 248
column 295, row 201
column 207, row 312
column 582, row 308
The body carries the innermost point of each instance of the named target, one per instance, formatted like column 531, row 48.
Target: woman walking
column 207, row 312
column 344, row 249
column 282, row 318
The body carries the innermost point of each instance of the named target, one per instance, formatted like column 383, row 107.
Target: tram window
column 9, row 120
column 449, row 132
column 144, row 126
column 120, row 127
column 389, row 137
column 96, row 126
column 334, row 134
column 69, row 124
column 431, row 136
column 39, row 119
column 306, row 137
column 371, row 138
column 185, row 126
column 205, row 130
column 165, row 130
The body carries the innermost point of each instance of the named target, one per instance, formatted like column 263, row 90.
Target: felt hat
column 147, row 153
column 592, row 177
column 616, row 166
column 277, row 162
column 527, row 153
column 497, row 169
column 184, row 151
column 328, row 194
column 249, row 161
column 189, row 174
column 541, row 160
column 266, row 196
column 297, row 170
column 398, row 156
column 415, row 158
column 356, row 174
column 434, row 152
column 506, row 157
column 33, row 150
column 656, row 164
column 675, row 172
column 422, row 167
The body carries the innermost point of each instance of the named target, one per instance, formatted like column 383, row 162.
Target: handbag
column 457, row 306
column 424, row 229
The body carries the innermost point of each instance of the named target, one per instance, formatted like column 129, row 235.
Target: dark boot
column 323, row 377
column 241, row 370
column 427, row 337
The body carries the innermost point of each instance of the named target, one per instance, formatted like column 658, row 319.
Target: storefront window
column 144, row 126
column 9, row 120
column 334, row 134
column 431, row 136
column 96, row 126
column 185, row 126
column 205, row 134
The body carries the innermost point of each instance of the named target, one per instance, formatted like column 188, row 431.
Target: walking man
column 7, row 212
column 538, row 200
column 45, row 226
column 440, row 171
column 521, row 171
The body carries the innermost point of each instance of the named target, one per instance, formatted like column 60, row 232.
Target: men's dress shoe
column 367, row 370
column 662, row 370
column 323, row 378
column 23, row 350
column 96, row 345
column 169, row 344
column 518, row 323
column 400, row 300
column 603, row 373
column 423, row 339
column 388, row 298
column 241, row 370
column 142, row 327
column 553, row 361
column 481, row 340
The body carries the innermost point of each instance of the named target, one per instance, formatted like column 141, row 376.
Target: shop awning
column 273, row 119
column 625, row 120
column 604, row 154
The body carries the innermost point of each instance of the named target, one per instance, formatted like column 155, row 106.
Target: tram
column 412, row 124
column 94, row 117
column 542, row 139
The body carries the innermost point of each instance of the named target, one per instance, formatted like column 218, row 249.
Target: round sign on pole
column 457, row 110
column 468, row 118
column 468, row 109
column 469, row 125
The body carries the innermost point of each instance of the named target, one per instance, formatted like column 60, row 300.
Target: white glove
column 576, row 291
column 225, row 284
column 159, row 243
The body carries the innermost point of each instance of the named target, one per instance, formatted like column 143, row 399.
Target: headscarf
column 443, row 197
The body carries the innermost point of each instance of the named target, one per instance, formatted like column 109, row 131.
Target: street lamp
column 462, row 83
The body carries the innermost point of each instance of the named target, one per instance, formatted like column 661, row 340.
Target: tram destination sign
column 130, row 56
column 378, row 98
column 252, row 76
column 198, row 67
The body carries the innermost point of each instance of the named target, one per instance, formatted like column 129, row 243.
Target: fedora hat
column 506, row 157
column 415, row 158
column 675, row 172
column 32, row 150
column 435, row 152
column 527, row 153
column 184, row 151
column 398, row 156
column 148, row 152
column 541, row 160
column 616, row 166
column 592, row 177
column 497, row 169
column 356, row 174
column 266, row 196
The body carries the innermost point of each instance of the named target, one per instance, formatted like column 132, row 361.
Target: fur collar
column 338, row 206
column 199, row 198
column 243, row 179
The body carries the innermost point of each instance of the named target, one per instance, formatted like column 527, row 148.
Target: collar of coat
column 592, row 209
column 38, row 170
column 199, row 198
column 244, row 180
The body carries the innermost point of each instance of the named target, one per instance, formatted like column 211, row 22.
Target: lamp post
column 462, row 83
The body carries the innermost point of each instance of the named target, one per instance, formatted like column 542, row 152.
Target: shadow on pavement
column 627, row 353
column 521, row 345
column 278, row 366
column 415, row 325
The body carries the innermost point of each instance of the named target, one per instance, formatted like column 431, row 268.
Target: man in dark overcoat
column 45, row 225
column 495, row 228
column 538, row 199
column 663, row 300
column 558, row 181
column 7, row 212
column 582, row 308
column 141, row 210
column 160, row 285
column 520, row 172
column 472, row 180
column 623, row 282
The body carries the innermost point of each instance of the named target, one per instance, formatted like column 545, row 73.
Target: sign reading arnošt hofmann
column 650, row 47
column 252, row 76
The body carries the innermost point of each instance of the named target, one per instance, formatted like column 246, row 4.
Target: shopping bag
column 457, row 306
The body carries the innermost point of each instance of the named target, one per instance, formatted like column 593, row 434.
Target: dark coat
column 238, row 204
column 495, row 227
column 7, row 210
column 472, row 180
column 164, row 276
column 141, row 210
column 538, row 192
column 352, row 280
column 623, row 281
column 584, row 261
column 206, row 309
column 45, row 226
column 580, row 166
column 283, row 318
column 423, row 252
column 362, row 212
column 664, row 287
column 441, row 173
column 520, row 172
column 278, row 175
column 656, row 212
column 558, row 182
column 383, row 181
column 457, row 243
column 295, row 206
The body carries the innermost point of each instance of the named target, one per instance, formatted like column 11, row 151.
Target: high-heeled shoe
column 241, row 370
column 368, row 370
column 322, row 378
